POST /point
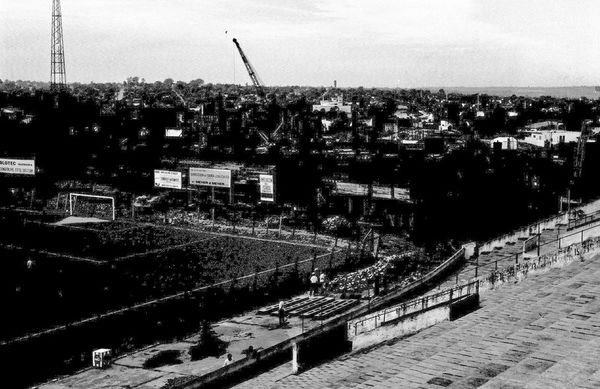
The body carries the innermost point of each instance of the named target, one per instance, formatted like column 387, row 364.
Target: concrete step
column 339, row 308
column 319, row 308
column 302, row 305
column 273, row 308
column 311, row 305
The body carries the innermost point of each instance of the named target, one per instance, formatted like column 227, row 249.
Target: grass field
column 56, row 274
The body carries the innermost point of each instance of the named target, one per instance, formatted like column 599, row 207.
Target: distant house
column 401, row 112
column 12, row 113
column 425, row 117
column 544, row 138
column 506, row 142
column 390, row 127
column 326, row 124
column 337, row 102
column 445, row 126
column 367, row 122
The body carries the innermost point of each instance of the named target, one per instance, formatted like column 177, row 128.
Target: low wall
column 523, row 232
column 559, row 258
column 403, row 326
column 539, row 226
column 457, row 257
column 367, row 323
column 590, row 207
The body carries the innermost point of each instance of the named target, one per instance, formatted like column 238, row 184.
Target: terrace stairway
column 316, row 308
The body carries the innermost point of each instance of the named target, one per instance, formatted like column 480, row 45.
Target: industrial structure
column 58, row 73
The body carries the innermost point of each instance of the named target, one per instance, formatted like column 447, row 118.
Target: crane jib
column 251, row 72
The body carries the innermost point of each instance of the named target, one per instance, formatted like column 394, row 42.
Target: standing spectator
column 228, row 360
column 318, row 274
column 281, row 313
column 314, row 284
column 322, row 281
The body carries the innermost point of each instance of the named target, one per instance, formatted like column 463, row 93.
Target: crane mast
column 251, row 71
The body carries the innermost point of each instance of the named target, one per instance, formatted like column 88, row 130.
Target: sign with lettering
column 352, row 189
column 173, row 133
column 167, row 179
column 267, row 189
column 218, row 178
column 17, row 166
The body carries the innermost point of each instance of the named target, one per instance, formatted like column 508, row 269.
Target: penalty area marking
column 52, row 254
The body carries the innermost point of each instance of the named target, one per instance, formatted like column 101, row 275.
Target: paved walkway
column 543, row 332
column 258, row 331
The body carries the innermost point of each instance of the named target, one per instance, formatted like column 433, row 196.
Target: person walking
column 228, row 360
column 281, row 313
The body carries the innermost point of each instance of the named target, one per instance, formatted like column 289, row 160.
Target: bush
column 209, row 344
column 163, row 358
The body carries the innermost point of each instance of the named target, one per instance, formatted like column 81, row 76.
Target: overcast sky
column 404, row 43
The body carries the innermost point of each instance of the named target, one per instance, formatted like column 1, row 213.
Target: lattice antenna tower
column 58, row 73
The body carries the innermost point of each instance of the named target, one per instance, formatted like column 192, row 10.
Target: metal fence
column 582, row 221
column 572, row 238
column 369, row 323
column 531, row 243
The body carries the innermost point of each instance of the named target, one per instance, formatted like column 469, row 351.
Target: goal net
column 88, row 205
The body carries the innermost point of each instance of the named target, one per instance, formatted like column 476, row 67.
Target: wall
column 556, row 259
column 403, row 326
column 366, row 323
column 527, row 231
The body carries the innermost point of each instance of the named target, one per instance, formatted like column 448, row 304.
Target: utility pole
column 58, row 73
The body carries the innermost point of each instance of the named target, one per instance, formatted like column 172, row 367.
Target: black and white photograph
column 300, row 194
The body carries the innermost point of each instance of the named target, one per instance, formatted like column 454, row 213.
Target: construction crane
column 580, row 156
column 251, row 72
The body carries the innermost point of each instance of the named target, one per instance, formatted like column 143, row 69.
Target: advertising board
column 267, row 189
column 402, row 194
column 218, row 178
column 167, row 179
column 386, row 192
column 17, row 166
column 352, row 189
column 382, row 192
column 173, row 132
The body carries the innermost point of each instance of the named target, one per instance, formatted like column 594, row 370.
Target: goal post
column 73, row 202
